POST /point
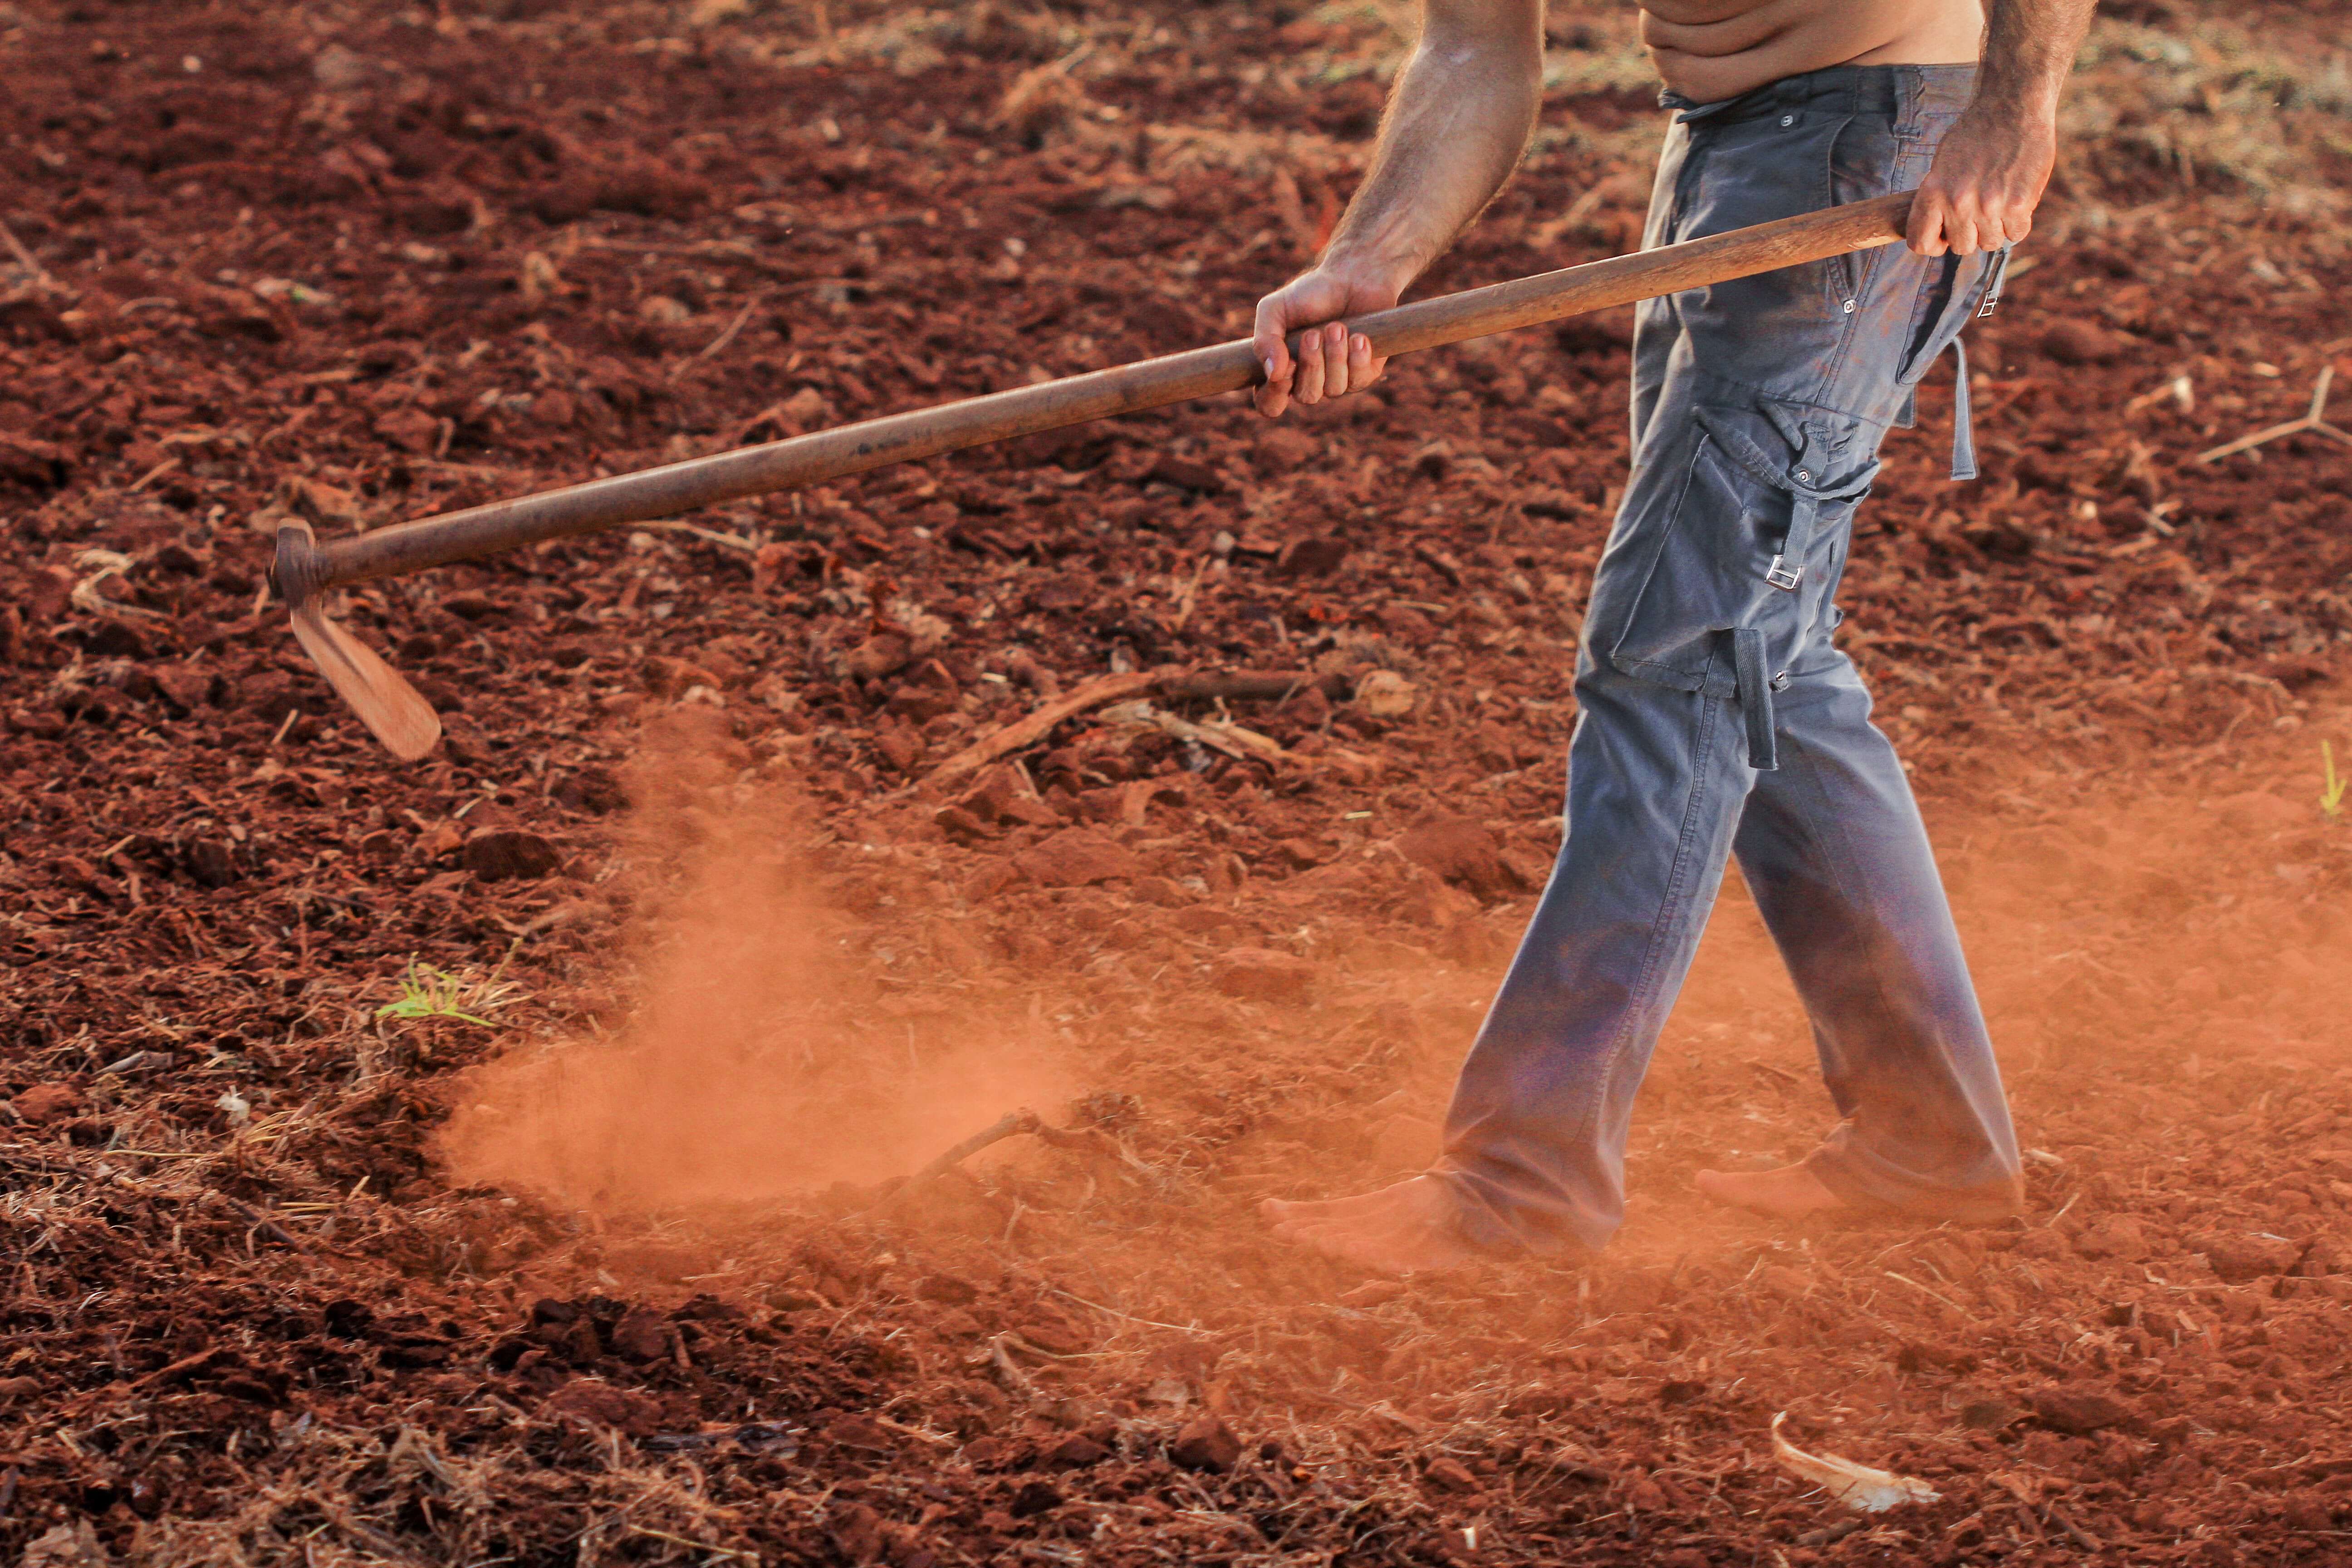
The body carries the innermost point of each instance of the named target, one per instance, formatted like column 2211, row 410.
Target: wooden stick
column 2310, row 423
column 1012, row 1123
column 1100, row 693
column 25, row 258
column 921, row 433
column 1249, row 686
column 1173, row 685
column 1003, row 1126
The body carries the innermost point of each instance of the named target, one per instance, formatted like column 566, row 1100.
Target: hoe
column 406, row 724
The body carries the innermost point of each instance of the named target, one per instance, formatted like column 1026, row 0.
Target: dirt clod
column 1260, row 974
column 46, row 1102
column 2239, row 1259
column 1461, row 851
column 592, row 1402
column 1205, row 1443
column 498, row 853
column 2080, row 1411
column 1077, row 857
column 1450, row 1475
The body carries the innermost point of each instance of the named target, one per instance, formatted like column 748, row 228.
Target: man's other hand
column 1986, row 180
column 1331, row 361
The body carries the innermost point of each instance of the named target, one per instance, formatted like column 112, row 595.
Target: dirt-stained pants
column 1715, row 716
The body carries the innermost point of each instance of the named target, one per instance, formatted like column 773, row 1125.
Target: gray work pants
column 1716, row 718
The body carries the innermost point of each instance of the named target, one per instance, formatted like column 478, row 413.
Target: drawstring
column 1755, row 696
column 1964, row 434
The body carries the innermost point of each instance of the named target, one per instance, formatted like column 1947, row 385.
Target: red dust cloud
column 760, row 1055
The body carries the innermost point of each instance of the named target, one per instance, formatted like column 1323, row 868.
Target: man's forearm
column 1454, row 129
column 2030, row 45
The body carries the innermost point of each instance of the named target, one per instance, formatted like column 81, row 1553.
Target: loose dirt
column 609, row 1277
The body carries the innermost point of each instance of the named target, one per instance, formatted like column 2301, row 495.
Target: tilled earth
column 497, row 1158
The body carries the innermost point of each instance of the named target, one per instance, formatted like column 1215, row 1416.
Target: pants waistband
column 1857, row 89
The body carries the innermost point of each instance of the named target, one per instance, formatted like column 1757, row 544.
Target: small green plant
column 429, row 993
column 2331, row 794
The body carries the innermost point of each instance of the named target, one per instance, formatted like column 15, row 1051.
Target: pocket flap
column 1798, row 447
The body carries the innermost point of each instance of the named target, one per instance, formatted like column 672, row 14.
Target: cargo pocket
column 1743, row 561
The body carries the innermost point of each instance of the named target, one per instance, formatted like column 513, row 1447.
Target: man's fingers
column 1275, row 395
column 1273, row 351
column 1308, row 386
column 1925, row 234
column 1335, row 360
column 1326, row 360
column 1274, row 356
column 1965, row 228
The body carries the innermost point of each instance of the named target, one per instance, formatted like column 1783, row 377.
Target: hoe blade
column 385, row 702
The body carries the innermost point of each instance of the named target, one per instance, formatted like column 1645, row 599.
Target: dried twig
column 1245, row 686
column 1100, row 693
column 2310, row 423
column 25, row 258
column 1006, row 1126
column 1012, row 1123
column 1174, row 685
column 718, row 344
column 710, row 536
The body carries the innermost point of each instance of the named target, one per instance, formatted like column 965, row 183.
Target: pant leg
column 1758, row 410
column 1834, row 848
column 1536, row 1137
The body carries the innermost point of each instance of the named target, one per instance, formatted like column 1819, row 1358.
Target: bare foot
column 1792, row 1192
column 1396, row 1230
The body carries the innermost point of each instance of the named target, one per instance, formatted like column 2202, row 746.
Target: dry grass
column 2215, row 108
column 2210, row 106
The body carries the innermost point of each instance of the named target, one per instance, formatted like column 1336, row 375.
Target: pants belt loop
column 1964, row 435
column 1755, row 696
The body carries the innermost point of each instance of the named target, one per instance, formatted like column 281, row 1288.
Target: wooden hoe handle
column 1126, row 389
column 406, row 723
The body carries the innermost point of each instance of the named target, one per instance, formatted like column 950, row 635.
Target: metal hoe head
column 391, row 708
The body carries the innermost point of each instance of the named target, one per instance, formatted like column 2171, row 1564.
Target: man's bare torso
column 1710, row 49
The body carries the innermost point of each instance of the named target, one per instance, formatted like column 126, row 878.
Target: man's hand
column 1988, row 175
column 1986, row 180
column 1331, row 361
column 1459, row 115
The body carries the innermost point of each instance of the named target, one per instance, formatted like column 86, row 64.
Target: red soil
column 606, row 1280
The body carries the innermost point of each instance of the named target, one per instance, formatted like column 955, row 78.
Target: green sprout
column 429, row 993
column 2331, row 796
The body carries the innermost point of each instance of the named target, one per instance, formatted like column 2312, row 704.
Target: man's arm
column 1988, row 175
column 1456, row 123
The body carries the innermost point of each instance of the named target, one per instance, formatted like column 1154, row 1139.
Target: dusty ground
column 604, row 1279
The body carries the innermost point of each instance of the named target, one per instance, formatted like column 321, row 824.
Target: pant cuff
column 1838, row 1171
column 1487, row 1225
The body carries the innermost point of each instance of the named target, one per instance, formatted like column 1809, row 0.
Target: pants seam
column 1668, row 908
column 1830, row 865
